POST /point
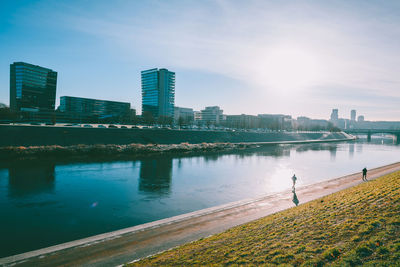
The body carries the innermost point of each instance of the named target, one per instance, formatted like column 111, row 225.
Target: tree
column 7, row 114
column 332, row 128
column 148, row 117
column 181, row 121
column 165, row 120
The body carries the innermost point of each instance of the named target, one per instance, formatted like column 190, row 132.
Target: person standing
column 294, row 178
column 364, row 174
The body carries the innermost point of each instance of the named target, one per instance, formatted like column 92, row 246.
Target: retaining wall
column 64, row 136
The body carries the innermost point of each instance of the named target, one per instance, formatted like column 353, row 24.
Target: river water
column 47, row 203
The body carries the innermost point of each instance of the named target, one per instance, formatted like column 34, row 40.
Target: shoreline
column 133, row 243
column 114, row 152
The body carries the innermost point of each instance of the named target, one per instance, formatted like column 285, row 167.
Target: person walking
column 294, row 178
column 364, row 174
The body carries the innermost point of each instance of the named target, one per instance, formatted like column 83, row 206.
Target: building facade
column 158, row 92
column 184, row 115
column 197, row 116
column 242, row 121
column 79, row 106
column 276, row 121
column 307, row 124
column 32, row 88
column 212, row 115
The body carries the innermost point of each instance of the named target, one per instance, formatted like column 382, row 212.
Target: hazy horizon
column 301, row 58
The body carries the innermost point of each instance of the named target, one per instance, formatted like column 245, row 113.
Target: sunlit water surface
column 44, row 204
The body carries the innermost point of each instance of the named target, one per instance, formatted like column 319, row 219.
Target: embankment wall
column 65, row 136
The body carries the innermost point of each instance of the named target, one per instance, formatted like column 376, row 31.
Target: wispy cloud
column 280, row 50
column 234, row 39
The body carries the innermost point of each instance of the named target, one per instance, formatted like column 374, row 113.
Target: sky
column 300, row 58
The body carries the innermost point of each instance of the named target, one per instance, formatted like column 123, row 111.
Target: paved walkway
column 136, row 242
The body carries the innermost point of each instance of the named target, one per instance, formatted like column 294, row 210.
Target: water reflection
column 315, row 147
column 155, row 176
column 351, row 150
column 275, row 151
column 359, row 148
column 30, row 178
column 212, row 157
column 332, row 151
column 331, row 147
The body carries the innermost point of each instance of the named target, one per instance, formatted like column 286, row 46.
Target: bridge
column 370, row 132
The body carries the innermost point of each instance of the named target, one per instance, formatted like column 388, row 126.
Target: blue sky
column 288, row 57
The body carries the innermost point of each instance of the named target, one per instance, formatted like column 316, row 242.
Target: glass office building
column 158, row 92
column 93, row 107
column 32, row 88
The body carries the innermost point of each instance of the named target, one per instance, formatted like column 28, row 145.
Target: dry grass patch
column 357, row 226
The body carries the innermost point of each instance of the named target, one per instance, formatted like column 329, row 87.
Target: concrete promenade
column 126, row 245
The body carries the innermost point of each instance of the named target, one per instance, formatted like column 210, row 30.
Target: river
column 46, row 203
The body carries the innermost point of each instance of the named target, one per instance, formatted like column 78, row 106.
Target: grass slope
column 357, row 226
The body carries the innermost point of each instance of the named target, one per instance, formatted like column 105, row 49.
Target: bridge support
column 369, row 137
column 398, row 138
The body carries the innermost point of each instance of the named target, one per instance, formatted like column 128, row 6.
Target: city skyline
column 302, row 58
column 158, row 95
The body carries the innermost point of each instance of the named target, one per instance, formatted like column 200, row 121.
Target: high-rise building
column 32, row 88
column 158, row 92
column 353, row 115
column 360, row 118
column 335, row 114
column 93, row 107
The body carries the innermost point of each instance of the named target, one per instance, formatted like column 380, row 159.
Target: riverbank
column 129, row 151
column 137, row 242
column 356, row 226
column 110, row 152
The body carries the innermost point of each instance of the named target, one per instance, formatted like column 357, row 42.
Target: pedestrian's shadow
column 295, row 199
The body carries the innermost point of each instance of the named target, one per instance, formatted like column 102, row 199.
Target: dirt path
column 136, row 242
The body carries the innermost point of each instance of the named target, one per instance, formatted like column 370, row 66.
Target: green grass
column 356, row 226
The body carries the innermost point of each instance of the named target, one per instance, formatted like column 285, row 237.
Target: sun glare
column 290, row 69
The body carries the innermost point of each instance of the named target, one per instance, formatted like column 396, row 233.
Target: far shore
column 113, row 152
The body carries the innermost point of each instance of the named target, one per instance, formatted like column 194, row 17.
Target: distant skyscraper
column 32, row 88
column 360, row 118
column 158, row 92
column 353, row 114
column 335, row 114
